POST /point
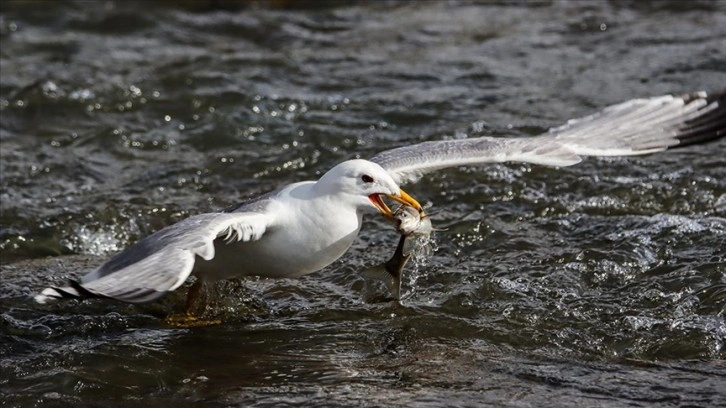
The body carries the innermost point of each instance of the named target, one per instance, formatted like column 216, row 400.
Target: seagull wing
column 638, row 126
column 162, row 261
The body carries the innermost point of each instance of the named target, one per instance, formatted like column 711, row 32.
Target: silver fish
column 415, row 229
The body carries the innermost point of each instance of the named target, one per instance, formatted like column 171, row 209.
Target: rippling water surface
column 602, row 284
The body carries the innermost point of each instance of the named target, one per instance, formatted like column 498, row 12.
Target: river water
column 602, row 284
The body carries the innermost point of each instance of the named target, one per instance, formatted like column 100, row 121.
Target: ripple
column 601, row 283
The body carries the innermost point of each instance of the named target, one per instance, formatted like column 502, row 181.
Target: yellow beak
column 404, row 199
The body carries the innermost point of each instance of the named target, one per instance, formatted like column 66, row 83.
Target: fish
column 415, row 229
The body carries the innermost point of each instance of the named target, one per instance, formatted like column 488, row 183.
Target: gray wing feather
column 639, row 126
column 162, row 261
column 409, row 163
column 146, row 279
column 643, row 126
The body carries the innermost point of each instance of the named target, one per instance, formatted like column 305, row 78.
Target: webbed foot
column 186, row 320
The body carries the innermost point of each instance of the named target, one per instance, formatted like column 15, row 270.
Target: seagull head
column 364, row 184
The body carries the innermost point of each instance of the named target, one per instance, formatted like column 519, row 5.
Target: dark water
column 602, row 284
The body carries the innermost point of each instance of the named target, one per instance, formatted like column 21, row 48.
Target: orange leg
column 193, row 296
column 190, row 317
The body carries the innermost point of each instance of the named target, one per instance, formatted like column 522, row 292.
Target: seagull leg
column 195, row 306
column 193, row 299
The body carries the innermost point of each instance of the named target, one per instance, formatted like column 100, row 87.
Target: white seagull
column 303, row 227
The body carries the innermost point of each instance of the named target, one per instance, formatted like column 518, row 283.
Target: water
column 602, row 284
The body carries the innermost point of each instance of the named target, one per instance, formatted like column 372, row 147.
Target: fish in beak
column 402, row 198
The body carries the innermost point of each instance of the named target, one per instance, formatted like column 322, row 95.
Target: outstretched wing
column 638, row 126
column 162, row 261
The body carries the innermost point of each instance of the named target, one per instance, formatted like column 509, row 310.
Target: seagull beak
column 406, row 199
column 402, row 198
column 381, row 205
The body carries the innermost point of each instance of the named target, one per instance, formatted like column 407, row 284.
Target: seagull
column 303, row 227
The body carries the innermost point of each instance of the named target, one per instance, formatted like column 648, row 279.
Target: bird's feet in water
column 187, row 320
column 196, row 306
column 205, row 308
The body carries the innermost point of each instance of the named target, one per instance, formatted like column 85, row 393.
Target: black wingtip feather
column 707, row 127
column 83, row 291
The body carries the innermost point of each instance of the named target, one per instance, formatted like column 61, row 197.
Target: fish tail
column 393, row 283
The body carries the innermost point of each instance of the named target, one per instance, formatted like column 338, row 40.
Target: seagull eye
column 367, row 179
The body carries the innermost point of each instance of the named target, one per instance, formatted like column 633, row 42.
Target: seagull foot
column 186, row 320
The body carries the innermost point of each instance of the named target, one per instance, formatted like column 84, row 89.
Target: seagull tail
column 74, row 290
